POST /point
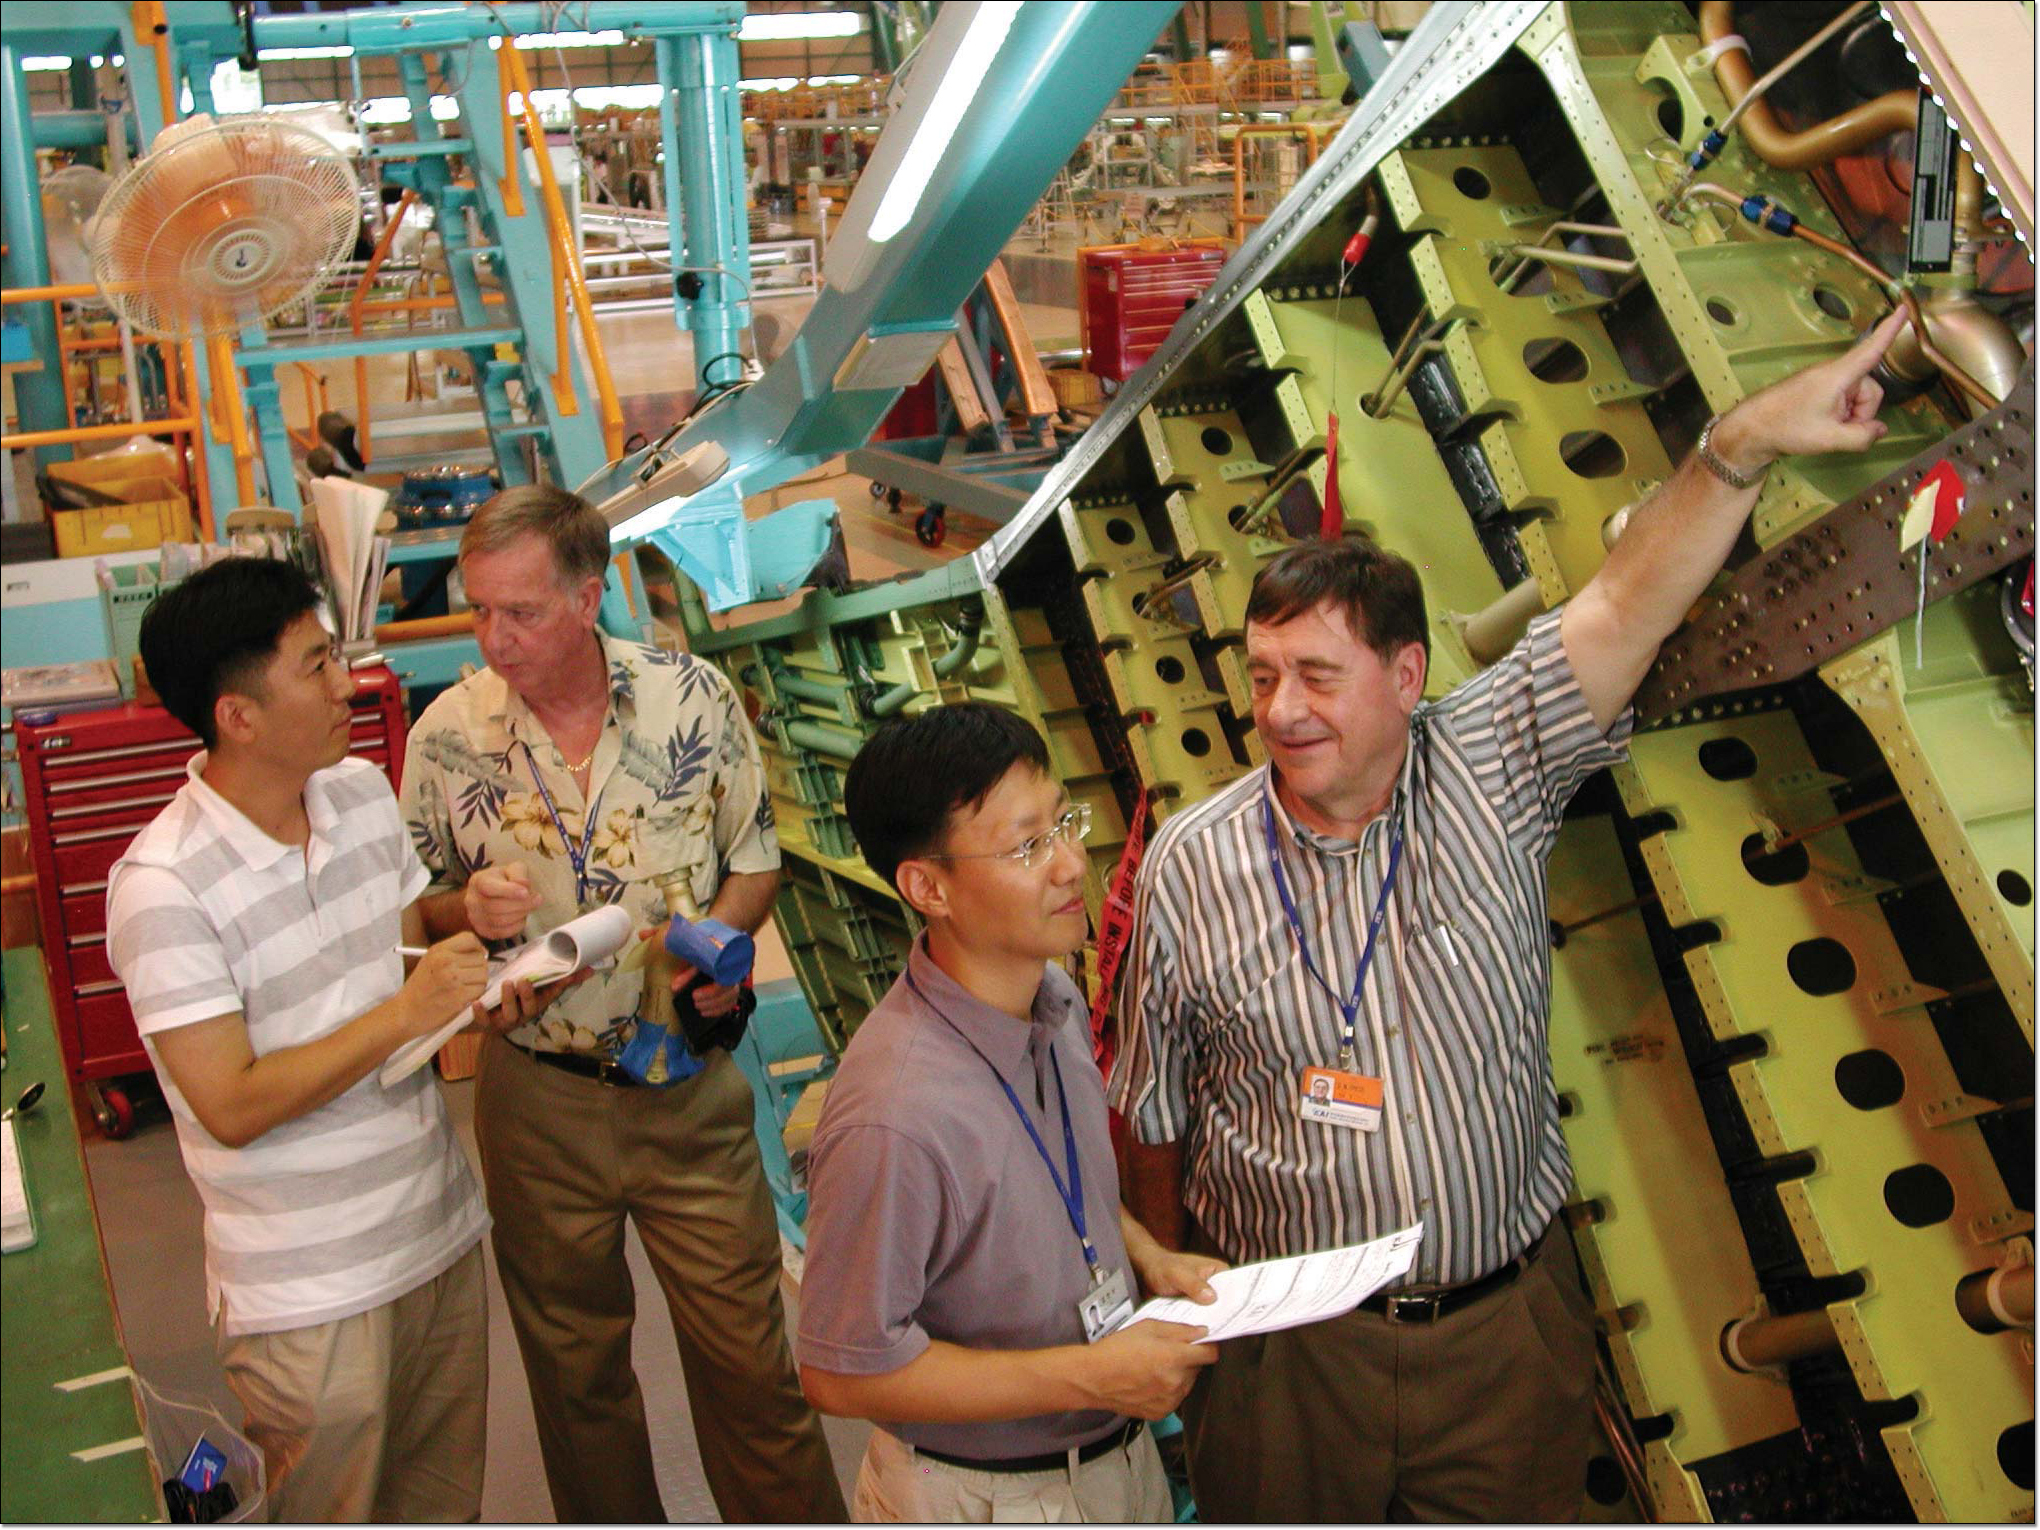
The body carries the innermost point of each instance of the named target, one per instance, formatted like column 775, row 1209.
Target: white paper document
column 591, row 939
column 1286, row 1293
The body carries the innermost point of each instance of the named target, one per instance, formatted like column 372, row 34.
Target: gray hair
column 570, row 526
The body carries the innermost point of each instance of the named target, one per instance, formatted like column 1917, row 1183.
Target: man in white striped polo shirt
column 255, row 923
column 1365, row 919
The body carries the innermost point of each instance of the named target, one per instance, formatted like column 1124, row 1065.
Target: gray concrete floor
column 150, row 1219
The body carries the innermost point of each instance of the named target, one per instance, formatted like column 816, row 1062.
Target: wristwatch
column 1711, row 460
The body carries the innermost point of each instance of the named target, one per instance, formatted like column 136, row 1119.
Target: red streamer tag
column 1332, row 522
column 1936, row 505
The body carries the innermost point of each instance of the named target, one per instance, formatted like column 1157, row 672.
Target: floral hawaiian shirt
column 677, row 783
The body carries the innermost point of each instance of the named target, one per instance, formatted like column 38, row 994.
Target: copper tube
column 1991, row 1301
column 1755, row 1343
column 354, row 311
column 1948, row 366
column 1773, row 143
column 456, row 625
column 1955, row 374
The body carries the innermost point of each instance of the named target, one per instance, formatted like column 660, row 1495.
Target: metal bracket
column 1843, row 580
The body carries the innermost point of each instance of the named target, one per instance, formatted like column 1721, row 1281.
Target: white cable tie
column 1705, row 58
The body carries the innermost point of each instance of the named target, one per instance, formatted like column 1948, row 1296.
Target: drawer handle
column 91, row 809
column 77, row 889
column 93, row 990
column 87, row 836
column 93, row 783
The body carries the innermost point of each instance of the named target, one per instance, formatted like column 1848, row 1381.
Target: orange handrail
column 564, row 396
column 354, row 309
column 567, row 256
column 27, row 439
column 418, row 304
column 315, row 405
column 1308, row 131
column 151, row 21
column 227, row 399
column 57, row 294
column 511, row 184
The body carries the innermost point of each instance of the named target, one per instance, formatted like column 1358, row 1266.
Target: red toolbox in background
column 1131, row 295
column 91, row 780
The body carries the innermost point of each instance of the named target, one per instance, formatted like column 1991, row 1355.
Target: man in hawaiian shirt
column 571, row 773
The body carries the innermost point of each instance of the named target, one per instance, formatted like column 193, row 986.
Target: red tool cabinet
column 91, row 781
column 1132, row 296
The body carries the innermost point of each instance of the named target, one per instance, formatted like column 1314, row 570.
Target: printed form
column 1285, row 1293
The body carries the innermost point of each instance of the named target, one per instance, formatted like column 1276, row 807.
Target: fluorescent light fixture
column 796, row 26
column 336, row 50
column 569, row 39
column 44, row 64
column 958, row 88
column 382, row 110
column 789, row 81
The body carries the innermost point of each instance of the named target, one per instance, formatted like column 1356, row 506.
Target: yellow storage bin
column 159, row 514
column 111, row 472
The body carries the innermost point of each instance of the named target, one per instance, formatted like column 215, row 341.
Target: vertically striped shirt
column 369, row 1196
column 1218, row 1016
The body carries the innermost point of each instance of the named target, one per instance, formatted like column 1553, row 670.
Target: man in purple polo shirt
column 969, row 1263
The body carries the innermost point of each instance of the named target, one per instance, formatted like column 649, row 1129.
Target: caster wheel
column 114, row 1112
column 931, row 526
column 893, row 500
column 879, row 491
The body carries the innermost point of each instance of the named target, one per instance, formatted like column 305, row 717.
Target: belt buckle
column 1413, row 1309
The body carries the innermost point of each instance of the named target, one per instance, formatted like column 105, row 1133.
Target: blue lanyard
column 1348, row 1008
column 578, row 859
column 1072, row 1193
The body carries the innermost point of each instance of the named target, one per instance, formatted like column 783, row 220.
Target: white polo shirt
column 369, row 1196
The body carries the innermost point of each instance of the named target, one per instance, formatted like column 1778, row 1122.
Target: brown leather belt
column 1429, row 1306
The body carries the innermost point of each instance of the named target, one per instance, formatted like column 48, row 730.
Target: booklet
column 587, row 941
column 1286, row 1293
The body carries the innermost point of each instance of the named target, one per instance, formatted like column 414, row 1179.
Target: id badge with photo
column 1338, row 1098
column 1108, row 1304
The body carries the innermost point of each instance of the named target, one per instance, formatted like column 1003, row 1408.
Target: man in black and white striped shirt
column 1333, row 1021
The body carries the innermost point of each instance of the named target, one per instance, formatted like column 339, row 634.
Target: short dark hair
column 216, row 631
column 1378, row 590
column 915, row 772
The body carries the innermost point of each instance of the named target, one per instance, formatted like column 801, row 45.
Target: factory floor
column 149, row 1219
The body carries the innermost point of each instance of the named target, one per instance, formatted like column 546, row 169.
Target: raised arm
column 1678, row 539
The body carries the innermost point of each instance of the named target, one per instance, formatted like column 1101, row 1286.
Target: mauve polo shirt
column 931, row 1215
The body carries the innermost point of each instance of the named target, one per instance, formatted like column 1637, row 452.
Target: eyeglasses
column 1032, row 853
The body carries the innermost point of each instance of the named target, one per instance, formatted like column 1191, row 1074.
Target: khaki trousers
column 1486, row 1415
column 379, row 1416
column 566, row 1160
column 898, row 1485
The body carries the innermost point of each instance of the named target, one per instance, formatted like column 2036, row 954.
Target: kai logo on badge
column 1351, row 1100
